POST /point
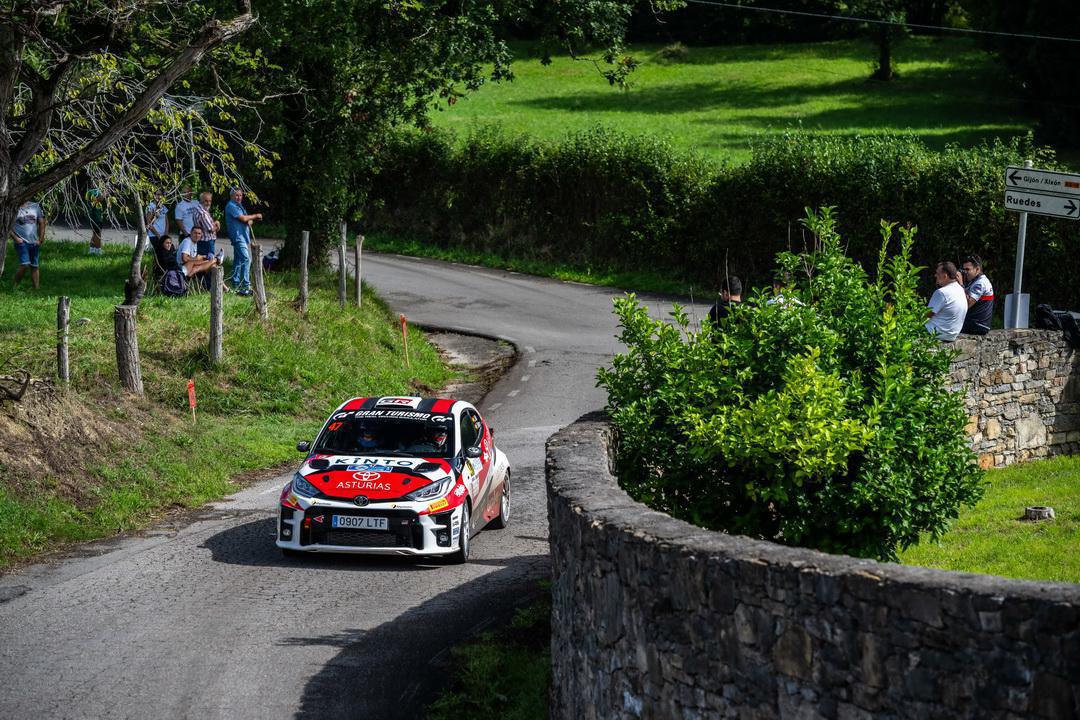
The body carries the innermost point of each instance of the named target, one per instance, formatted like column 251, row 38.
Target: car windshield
column 348, row 434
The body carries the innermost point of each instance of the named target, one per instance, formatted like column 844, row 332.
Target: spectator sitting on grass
column 188, row 258
column 948, row 304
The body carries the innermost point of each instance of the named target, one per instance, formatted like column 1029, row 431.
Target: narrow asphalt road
column 203, row 618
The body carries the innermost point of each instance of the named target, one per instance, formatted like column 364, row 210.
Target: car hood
column 378, row 478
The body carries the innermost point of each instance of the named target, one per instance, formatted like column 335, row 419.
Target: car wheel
column 464, row 539
column 503, row 518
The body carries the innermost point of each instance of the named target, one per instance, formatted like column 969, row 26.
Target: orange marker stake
column 405, row 340
column 191, row 399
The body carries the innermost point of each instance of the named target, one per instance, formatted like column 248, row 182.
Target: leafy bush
column 818, row 418
column 605, row 201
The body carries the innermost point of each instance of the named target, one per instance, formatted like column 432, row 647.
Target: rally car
column 396, row 476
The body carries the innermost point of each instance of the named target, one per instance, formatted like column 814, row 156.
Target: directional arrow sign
column 1042, row 181
column 1042, row 204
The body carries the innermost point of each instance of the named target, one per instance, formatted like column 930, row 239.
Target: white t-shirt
column 949, row 304
column 188, row 247
column 26, row 222
column 159, row 213
column 183, row 214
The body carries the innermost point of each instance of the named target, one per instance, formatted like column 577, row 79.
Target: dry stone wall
column 1022, row 395
column 655, row 618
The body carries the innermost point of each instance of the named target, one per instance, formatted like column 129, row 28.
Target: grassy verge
column 503, row 674
column 713, row 101
column 90, row 461
column 638, row 281
column 990, row 538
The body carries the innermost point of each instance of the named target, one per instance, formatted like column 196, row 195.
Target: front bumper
column 408, row 532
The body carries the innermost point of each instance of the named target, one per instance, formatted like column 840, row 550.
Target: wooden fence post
column 303, row 271
column 356, row 279
column 127, row 348
column 342, row 270
column 257, row 280
column 216, row 326
column 63, row 315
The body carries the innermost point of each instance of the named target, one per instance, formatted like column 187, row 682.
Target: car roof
column 430, row 405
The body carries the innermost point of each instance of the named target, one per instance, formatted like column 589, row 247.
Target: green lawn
column 949, row 91
column 990, row 538
column 92, row 461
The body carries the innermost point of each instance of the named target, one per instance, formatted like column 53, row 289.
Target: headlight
column 434, row 490
column 301, row 486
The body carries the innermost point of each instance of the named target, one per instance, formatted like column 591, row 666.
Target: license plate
column 359, row 522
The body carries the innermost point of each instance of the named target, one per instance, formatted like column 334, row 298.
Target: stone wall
column 655, row 618
column 1022, row 395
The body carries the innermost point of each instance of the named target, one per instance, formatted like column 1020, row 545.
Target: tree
column 818, row 418
column 84, row 86
column 892, row 15
column 348, row 72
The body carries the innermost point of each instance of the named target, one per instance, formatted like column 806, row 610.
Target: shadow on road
column 394, row 670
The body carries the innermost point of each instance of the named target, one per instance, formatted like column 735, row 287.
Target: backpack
column 174, row 284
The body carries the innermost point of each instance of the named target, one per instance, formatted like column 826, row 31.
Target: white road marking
column 494, row 406
column 513, row 393
column 525, row 378
column 532, row 363
column 530, row 349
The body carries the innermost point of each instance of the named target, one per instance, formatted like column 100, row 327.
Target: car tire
column 503, row 518
column 464, row 539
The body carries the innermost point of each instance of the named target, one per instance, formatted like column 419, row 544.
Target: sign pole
column 1018, row 272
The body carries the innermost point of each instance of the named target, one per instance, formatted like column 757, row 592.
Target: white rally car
column 396, row 476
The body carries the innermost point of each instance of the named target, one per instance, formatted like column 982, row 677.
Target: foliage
column 274, row 386
column 602, row 199
column 344, row 73
column 816, row 418
column 1043, row 69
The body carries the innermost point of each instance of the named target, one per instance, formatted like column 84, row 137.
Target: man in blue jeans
column 28, row 233
column 238, row 227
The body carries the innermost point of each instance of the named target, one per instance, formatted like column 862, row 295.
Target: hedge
column 604, row 199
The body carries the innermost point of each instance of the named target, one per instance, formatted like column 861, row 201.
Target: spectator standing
column 730, row 294
column 183, row 212
column 980, row 296
column 948, row 304
column 210, row 227
column 28, row 234
column 157, row 220
column 95, row 213
column 238, row 223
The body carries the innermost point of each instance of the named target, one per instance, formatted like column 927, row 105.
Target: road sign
column 1043, row 181
column 1043, row 204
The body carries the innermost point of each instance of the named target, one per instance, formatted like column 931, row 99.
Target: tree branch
column 212, row 34
column 42, row 113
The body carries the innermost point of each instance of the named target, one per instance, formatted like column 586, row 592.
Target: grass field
column 716, row 100
column 990, row 538
column 91, row 461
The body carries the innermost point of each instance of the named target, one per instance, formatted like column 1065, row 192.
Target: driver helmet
column 439, row 437
column 366, row 437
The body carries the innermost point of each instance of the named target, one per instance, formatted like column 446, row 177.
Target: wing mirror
column 472, row 452
column 303, row 446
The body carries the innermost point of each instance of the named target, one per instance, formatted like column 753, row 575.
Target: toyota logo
column 366, row 476
column 361, row 500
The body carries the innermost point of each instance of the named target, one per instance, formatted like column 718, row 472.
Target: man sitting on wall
column 980, row 296
column 948, row 304
column 730, row 293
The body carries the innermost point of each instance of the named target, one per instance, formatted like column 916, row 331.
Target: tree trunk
column 884, row 70
column 342, row 284
column 127, row 348
column 7, row 221
column 135, row 285
column 216, row 327
column 63, row 315
column 258, row 282
column 304, row 237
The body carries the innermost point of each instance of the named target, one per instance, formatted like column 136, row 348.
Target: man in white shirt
column 188, row 258
column 948, row 304
column 28, row 232
column 183, row 213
